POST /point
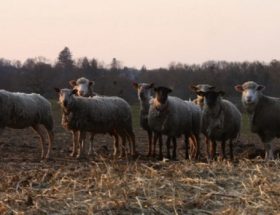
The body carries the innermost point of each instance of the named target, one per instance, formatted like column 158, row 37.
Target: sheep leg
column 213, row 149
column 75, row 135
column 38, row 129
column 174, row 155
column 90, row 149
column 186, row 146
column 197, row 140
column 231, row 150
column 150, row 137
column 160, row 146
column 123, row 138
column 168, row 147
column 132, row 139
column 192, row 143
column 208, row 148
column 51, row 137
column 116, row 144
column 156, row 136
column 223, row 150
column 81, row 140
column 268, row 146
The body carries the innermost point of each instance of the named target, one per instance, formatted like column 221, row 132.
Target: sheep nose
column 249, row 98
column 82, row 93
column 65, row 103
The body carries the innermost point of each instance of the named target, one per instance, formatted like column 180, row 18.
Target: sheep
column 21, row 110
column 200, row 102
column 264, row 114
column 221, row 120
column 144, row 96
column 98, row 114
column 85, row 88
column 173, row 117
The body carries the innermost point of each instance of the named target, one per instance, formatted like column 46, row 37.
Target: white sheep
column 221, row 120
column 98, row 114
column 84, row 88
column 21, row 110
column 173, row 117
column 264, row 112
column 144, row 96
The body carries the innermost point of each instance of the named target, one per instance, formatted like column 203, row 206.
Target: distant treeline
column 40, row 76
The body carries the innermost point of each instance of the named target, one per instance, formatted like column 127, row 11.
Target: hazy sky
column 137, row 32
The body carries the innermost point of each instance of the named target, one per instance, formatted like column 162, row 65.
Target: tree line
column 40, row 76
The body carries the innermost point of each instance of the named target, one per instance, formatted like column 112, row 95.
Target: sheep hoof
column 72, row 154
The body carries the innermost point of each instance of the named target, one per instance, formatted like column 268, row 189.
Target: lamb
column 221, row 119
column 144, row 96
column 21, row 110
column 173, row 117
column 99, row 114
column 85, row 88
column 200, row 102
column 264, row 114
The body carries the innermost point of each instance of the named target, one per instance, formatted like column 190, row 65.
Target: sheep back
column 99, row 114
column 176, row 120
column 20, row 110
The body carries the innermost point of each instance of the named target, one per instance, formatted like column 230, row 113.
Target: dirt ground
column 102, row 184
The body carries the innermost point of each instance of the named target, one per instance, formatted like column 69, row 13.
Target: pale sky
column 142, row 32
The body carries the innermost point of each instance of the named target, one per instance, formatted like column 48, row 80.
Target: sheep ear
column 212, row 88
column 169, row 90
column 91, row 83
column 74, row 92
column 73, row 83
column 221, row 93
column 239, row 88
column 151, row 85
column 193, row 88
column 135, row 85
column 260, row 88
column 56, row 89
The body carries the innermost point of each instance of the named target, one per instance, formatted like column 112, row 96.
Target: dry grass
column 104, row 185
column 128, row 187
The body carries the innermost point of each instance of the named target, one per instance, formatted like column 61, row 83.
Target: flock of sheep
column 84, row 111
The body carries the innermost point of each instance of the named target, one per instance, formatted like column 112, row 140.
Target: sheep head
column 83, row 86
column 161, row 94
column 251, row 92
column 143, row 90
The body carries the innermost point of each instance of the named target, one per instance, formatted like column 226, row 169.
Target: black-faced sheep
column 173, row 117
column 199, row 89
column 98, row 114
column 20, row 110
column 221, row 120
column 264, row 114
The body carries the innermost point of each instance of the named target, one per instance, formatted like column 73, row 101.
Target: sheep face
column 65, row 97
column 199, row 89
column 143, row 90
column 161, row 94
column 251, row 92
column 211, row 97
column 82, row 85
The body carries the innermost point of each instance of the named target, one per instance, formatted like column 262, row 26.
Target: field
column 106, row 185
